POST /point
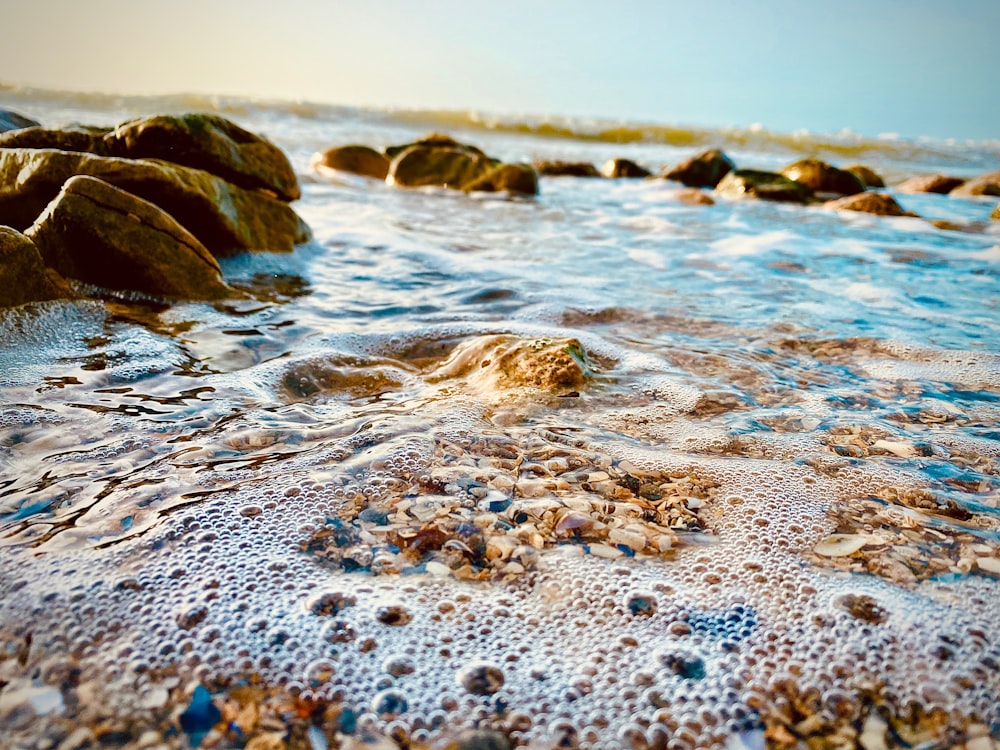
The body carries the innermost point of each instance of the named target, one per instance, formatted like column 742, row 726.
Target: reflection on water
column 599, row 469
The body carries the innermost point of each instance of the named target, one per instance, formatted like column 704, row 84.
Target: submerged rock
column 556, row 168
column 986, row 184
column 23, row 275
column 362, row 160
column 615, row 168
column 752, row 183
column 821, row 177
column 224, row 217
column 693, row 197
column 512, row 178
column 210, row 143
column 10, row 120
column 881, row 204
column 869, row 177
column 931, row 183
column 105, row 236
column 996, row 213
column 702, row 170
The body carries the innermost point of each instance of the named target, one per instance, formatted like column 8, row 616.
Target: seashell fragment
column 841, row 545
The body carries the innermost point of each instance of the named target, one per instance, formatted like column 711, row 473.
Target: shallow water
column 677, row 473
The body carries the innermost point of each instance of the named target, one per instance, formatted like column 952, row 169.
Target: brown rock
column 616, row 168
column 105, row 236
column 881, row 204
column 868, row 177
column 752, row 183
column 996, row 213
column 439, row 140
column 693, row 197
column 211, row 143
column 77, row 138
column 23, row 275
column 821, row 177
column 703, row 170
column 566, row 169
column 986, row 184
column 362, row 160
column 511, row 178
column 930, row 183
column 10, row 120
column 225, row 218
column 443, row 166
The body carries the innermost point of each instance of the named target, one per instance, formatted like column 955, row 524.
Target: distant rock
column 821, row 177
column 996, row 213
column 931, row 183
column 225, row 218
column 441, row 166
column 521, row 179
column 881, row 204
column 869, row 177
column 361, row 160
column 702, row 170
column 693, row 197
column 566, row 169
column 210, row 143
column 23, row 275
column 105, row 236
column 752, row 183
column 10, row 120
column 615, row 168
column 986, row 184
column 83, row 138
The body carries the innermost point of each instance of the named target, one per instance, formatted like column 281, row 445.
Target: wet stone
column 393, row 614
column 864, row 608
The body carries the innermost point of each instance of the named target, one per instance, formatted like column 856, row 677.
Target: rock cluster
column 145, row 207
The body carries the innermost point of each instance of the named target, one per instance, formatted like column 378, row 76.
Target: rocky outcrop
column 361, row 160
column 566, row 169
column 107, row 237
column 10, row 120
column 520, row 179
column 869, row 177
column 881, row 204
column 210, row 143
column 931, row 183
column 821, row 177
column 24, row 277
column 702, row 170
column 752, row 183
column 616, row 168
column 225, row 218
column 986, row 184
column 76, row 138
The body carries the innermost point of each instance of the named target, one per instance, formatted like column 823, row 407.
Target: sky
column 910, row 67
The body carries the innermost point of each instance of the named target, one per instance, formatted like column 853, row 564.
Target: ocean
column 595, row 469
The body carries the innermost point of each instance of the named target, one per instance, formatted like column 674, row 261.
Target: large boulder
column 930, row 183
column 869, row 177
column 441, row 166
column 881, row 204
column 211, row 143
column 521, row 179
column 702, row 170
column 821, row 177
column 986, row 184
column 752, row 183
column 84, row 138
column 10, row 120
column 616, row 168
column 225, row 218
column 105, row 236
column 362, row 160
column 24, row 277
column 556, row 168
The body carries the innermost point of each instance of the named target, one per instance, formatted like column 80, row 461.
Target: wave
column 842, row 146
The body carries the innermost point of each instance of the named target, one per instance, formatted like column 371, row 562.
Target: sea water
column 596, row 468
